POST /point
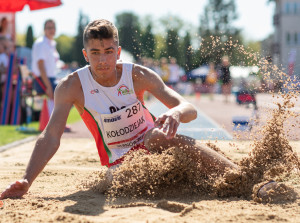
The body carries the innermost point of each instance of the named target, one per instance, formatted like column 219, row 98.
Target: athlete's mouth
column 102, row 68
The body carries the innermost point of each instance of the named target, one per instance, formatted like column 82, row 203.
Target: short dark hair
column 100, row 29
column 48, row 21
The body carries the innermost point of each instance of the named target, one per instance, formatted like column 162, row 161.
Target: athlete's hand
column 16, row 189
column 168, row 123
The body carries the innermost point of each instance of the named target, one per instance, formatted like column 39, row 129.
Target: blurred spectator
column 9, row 45
column 74, row 66
column 211, row 80
column 44, row 59
column 156, row 67
column 225, row 78
column 164, row 69
column 175, row 72
column 149, row 63
column 3, row 64
column 3, row 56
column 44, row 63
column 4, row 28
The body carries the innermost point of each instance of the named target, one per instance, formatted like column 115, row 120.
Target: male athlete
column 109, row 97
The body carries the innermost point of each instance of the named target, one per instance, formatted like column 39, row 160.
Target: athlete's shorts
column 135, row 148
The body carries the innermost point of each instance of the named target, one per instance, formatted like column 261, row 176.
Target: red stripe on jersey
column 92, row 125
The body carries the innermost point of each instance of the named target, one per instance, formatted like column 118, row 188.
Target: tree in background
column 129, row 33
column 148, row 42
column 173, row 43
column 78, row 43
column 29, row 37
column 65, row 47
column 187, row 53
column 218, row 36
column 168, row 36
column 160, row 46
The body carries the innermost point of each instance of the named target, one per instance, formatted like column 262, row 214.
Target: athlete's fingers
column 166, row 125
column 2, row 196
column 158, row 124
column 160, row 121
column 172, row 129
column 6, row 193
column 16, row 189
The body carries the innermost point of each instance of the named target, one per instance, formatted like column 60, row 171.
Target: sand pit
column 165, row 187
column 56, row 196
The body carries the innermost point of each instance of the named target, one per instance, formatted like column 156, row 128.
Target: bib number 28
column 133, row 110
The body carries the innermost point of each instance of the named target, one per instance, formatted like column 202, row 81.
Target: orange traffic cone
column 44, row 116
column 198, row 95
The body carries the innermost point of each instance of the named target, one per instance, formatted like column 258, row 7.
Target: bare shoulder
column 140, row 71
column 69, row 88
column 145, row 77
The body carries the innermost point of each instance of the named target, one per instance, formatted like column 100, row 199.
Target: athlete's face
column 102, row 55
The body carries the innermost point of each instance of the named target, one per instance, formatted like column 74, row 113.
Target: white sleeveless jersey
column 100, row 106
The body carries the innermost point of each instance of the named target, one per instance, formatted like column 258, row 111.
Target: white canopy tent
column 242, row 72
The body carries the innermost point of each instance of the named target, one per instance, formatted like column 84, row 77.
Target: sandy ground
column 56, row 196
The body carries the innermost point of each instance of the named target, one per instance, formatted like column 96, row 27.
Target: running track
column 203, row 128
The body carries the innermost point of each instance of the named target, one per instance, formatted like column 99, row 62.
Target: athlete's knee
column 154, row 140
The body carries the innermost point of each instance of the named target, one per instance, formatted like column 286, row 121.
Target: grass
column 9, row 133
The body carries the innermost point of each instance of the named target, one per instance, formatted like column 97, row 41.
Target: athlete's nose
column 102, row 59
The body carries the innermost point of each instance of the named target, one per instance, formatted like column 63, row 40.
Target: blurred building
column 286, row 41
column 266, row 47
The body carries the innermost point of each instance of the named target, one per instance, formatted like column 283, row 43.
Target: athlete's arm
column 180, row 110
column 47, row 143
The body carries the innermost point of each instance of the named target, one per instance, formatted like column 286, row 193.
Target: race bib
column 124, row 128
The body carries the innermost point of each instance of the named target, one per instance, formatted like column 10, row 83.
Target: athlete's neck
column 105, row 80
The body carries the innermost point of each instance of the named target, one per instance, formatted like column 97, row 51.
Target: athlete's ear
column 119, row 52
column 85, row 55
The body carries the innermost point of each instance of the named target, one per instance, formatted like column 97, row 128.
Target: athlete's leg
column 212, row 161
